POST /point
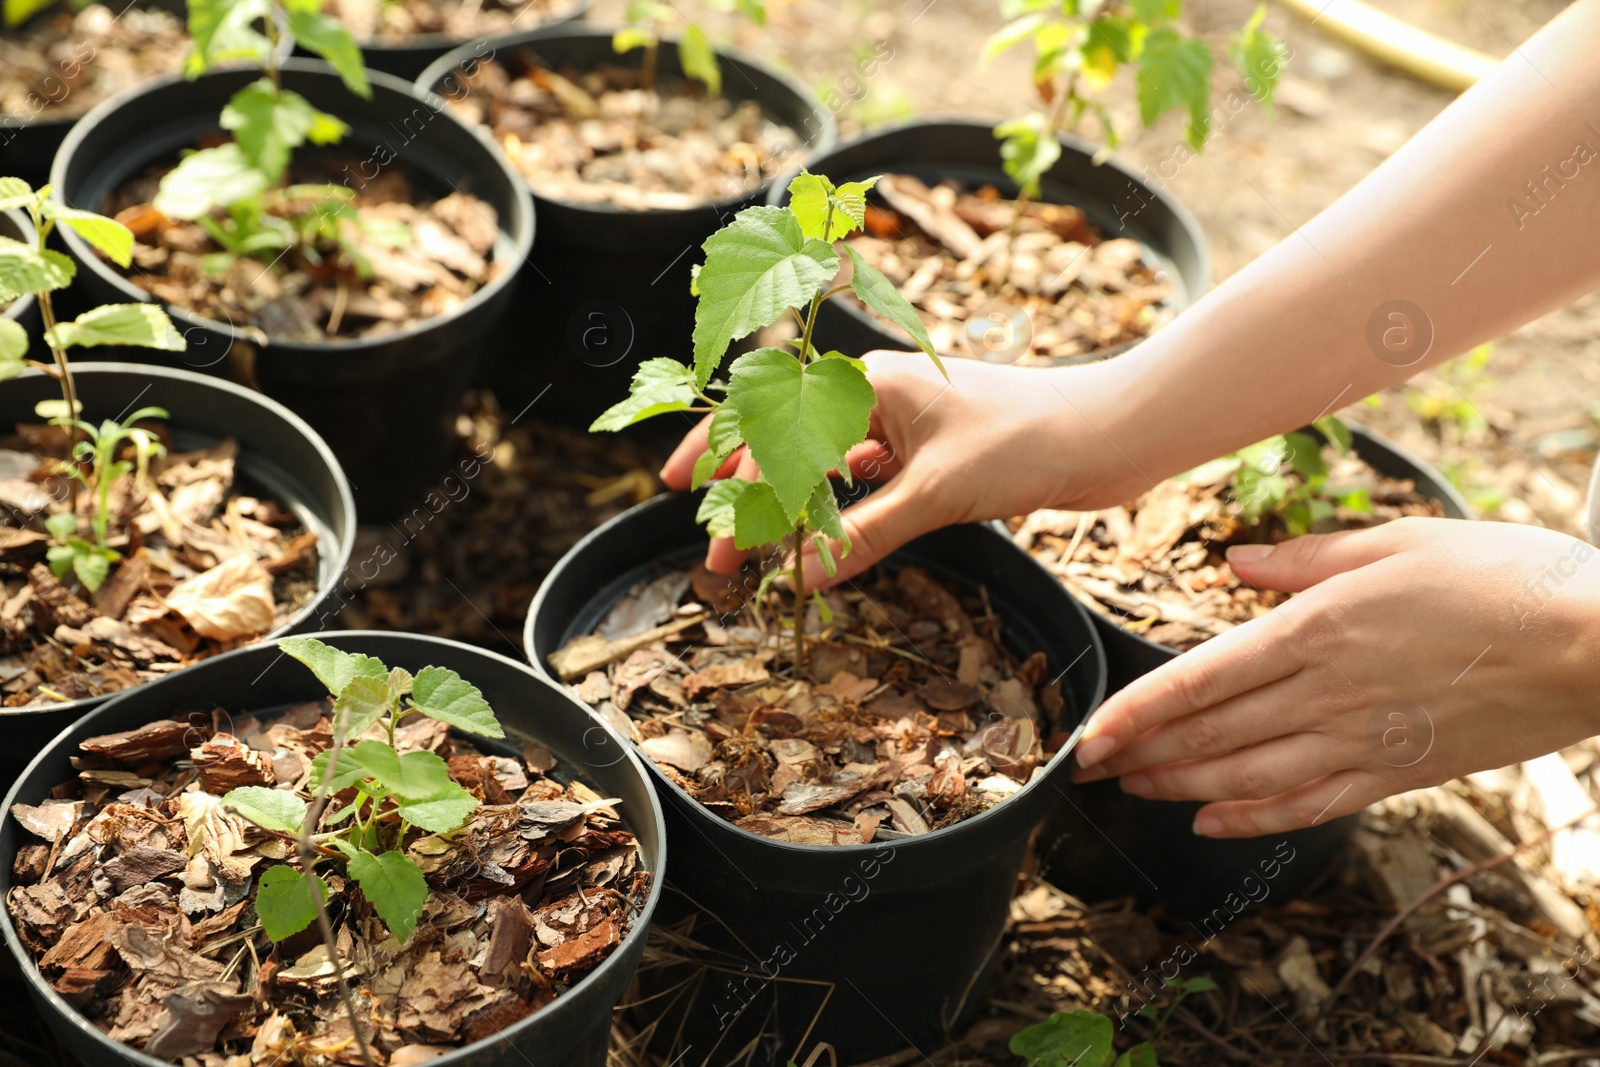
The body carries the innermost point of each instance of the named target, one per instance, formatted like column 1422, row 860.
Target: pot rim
column 931, row 840
column 779, row 196
column 420, row 41
column 346, row 507
column 22, row 304
column 1448, row 494
column 640, row 929
column 520, row 228
column 826, row 140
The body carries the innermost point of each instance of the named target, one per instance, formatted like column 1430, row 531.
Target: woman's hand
column 990, row 443
column 1419, row 651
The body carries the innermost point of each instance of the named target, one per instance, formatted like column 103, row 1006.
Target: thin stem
column 69, row 391
column 796, row 576
column 270, row 65
column 811, row 322
column 651, row 50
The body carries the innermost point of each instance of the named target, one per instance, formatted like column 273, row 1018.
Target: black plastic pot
column 904, row 930
column 279, row 456
column 407, row 57
column 385, row 404
column 1118, row 200
column 607, row 289
column 25, row 309
column 1103, row 843
column 573, row 1030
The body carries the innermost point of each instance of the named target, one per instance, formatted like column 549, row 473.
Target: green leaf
column 139, row 325
column 284, row 901
column 799, row 421
column 822, row 514
column 62, row 525
column 1028, row 149
column 106, row 235
column 1154, row 11
column 1337, row 433
column 333, row 667
column 756, row 268
column 1188, row 986
column 1176, row 72
column 1066, row 1039
column 659, row 385
column 442, row 813
column 721, row 441
column 878, row 293
column 14, row 192
column 699, row 59
column 716, row 507
column 1260, row 56
column 350, row 770
column 268, row 125
column 628, row 38
column 363, row 701
column 223, row 30
column 270, row 809
column 1112, row 42
column 826, row 211
column 19, row 11
column 444, row 695
column 413, row 776
column 13, row 347
column 92, row 564
column 393, row 886
column 1012, row 34
column 759, row 518
column 1305, row 455
column 24, row 269
column 1140, row 1055
column 327, row 37
column 206, row 180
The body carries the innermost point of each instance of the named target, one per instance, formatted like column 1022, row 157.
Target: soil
column 1158, row 565
column 963, row 258
column 602, row 137
column 391, row 23
column 206, row 567
column 410, row 259
column 911, row 713
column 135, row 898
column 61, row 64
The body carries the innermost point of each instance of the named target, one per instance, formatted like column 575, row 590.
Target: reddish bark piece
column 687, row 750
column 511, row 933
column 800, row 829
column 53, row 604
column 584, row 950
column 943, row 695
column 227, row 763
column 153, row 741
column 802, row 798
column 739, row 673
column 140, row 865
column 128, row 580
column 496, row 1017
column 934, row 599
column 86, row 944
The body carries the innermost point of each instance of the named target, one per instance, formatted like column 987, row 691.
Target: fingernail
column 1095, row 749
column 1207, row 825
column 1138, row 784
column 1249, row 553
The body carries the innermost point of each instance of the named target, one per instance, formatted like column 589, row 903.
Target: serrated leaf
column 24, row 269
column 1305, row 455
column 326, row 36
column 206, row 180
column 14, row 192
column 444, row 695
column 92, row 564
column 139, row 325
column 106, row 235
column 721, row 441
column 1260, row 57
column 363, row 701
column 759, row 518
column 659, row 385
column 827, row 211
column 393, row 886
column 878, row 293
column 699, row 59
column 1066, row 1039
column 1028, row 149
column 757, row 267
column 716, row 507
column 799, row 421
column 13, row 346
column 823, row 516
column 1112, row 41
column 284, row 902
column 333, row 667
column 413, row 776
column 440, row 814
column 1176, row 72
column 270, row 809
column 224, row 30
column 349, row 772
column 268, row 124
column 62, row 525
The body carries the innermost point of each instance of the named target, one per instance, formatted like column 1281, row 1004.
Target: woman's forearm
column 1485, row 220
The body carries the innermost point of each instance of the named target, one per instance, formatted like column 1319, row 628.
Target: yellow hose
column 1383, row 37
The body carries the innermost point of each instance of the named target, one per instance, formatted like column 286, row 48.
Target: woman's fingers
column 677, row 472
column 1302, row 562
column 1312, row 804
column 885, row 520
column 721, row 555
column 1255, row 773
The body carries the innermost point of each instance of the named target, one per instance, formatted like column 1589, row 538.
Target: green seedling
column 648, row 20
column 91, row 561
column 1083, row 1038
column 798, row 411
column 1286, row 478
column 236, row 190
column 391, row 793
column 1079, row 46
column 41, row 270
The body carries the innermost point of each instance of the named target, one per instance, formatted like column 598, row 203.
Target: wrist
column 1088, row 431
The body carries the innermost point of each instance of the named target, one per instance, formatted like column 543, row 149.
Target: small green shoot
column 648, row 20
column 799, row 412
column 392, row 792
column 1285, row 478
column 1084, row 1038
column 91, row 562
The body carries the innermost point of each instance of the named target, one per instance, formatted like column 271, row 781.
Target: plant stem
column 651, row 50
column 271, row 64
column 69, row 392
column 796, row 576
